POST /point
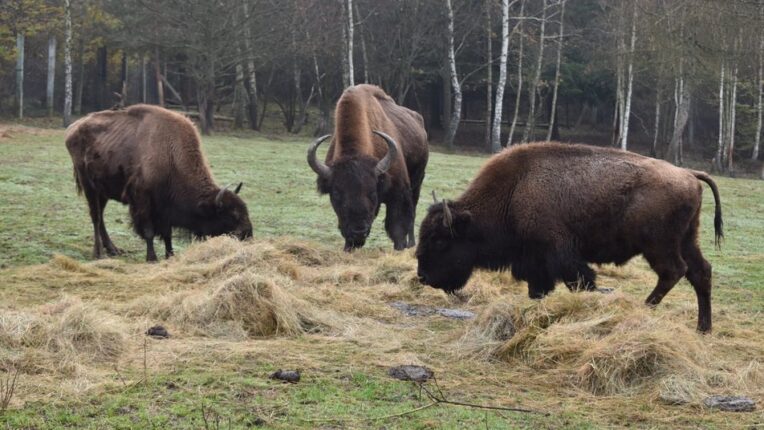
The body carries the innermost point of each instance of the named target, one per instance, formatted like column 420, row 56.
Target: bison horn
column 434, row 197
column 392, row 151
column 321, row 169
column 448, row 220
column 219, row 196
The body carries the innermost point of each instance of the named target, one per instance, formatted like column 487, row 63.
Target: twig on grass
column 7, row 388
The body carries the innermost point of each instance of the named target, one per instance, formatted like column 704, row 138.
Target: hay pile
column 605, row 345
column 79, row 321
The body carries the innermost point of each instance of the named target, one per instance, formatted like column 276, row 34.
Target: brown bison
column 378, row 155
column 151, row 159
column 547, row 210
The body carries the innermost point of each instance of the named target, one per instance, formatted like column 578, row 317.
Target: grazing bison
column 151, row 159
column 548, row 209
column 378, row 155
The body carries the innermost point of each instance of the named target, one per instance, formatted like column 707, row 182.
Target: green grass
column 41, row 215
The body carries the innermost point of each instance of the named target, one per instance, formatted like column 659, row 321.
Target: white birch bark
column 657, row 122
column 530, row 124
column 630, row 83
column 351, row 77
column 250, row 85
column 519, row 75
column 456, row 110
column 732, row 110
column 720, row 147
column 553, row 115
column 499, row 102
column 489, row 78
column 757, row 141
column 51, row 73
column 67, row 62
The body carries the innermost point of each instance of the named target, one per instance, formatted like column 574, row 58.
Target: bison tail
column 77, row 182
column 718, row 222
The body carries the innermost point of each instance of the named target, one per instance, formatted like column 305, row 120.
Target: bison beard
column 378, row 155
column 548, row 210
column 150, row 159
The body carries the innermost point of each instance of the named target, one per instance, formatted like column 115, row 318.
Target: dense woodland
column 678, row 79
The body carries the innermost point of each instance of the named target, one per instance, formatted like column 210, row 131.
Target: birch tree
column 499, row 103
column 20, row 73
column 759, row 89
column 67, row 62
column 489, row 73
column 630, row 84
column 456, row 110
column 519, row 93
column 51, row 73
column 530, row 124
column 552, row 115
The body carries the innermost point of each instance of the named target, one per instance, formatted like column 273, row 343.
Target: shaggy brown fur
column 548, row 209
column 150, row 159
column 355, row 189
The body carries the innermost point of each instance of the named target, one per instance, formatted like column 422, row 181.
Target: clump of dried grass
column 604, row 344
column 248, row 303
column 60, row 337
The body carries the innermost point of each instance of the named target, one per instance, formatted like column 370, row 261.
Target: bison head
column 354, row 185
column 448, row 247
column 226, row 213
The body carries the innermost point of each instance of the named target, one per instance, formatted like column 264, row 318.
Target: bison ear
column 238, row 188
column 323, row 186
column 462, row 223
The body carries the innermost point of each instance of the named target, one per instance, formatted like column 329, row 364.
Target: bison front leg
column 399, row 220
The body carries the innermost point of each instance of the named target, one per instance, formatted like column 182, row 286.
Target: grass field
column 73, row 329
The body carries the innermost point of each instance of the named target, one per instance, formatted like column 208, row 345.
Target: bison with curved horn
column 378, row 155
column 151, row 159
column 546, row 210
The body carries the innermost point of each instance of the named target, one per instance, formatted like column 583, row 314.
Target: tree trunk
column 732, row 110
column 238, row 97
column 489, row 73
column 619, row 91
column 51, row 73
column 250, row 84
column 519, row 94
column 124, row 71
column 455, row 85
column 720, row 147
column 680, row 122
column 499, row 103
column 530, row 125
column 158, row 79
column 349, row 15
column 68, row 62
column 102, row 75
column 144, row 87
column 80, row 75
column 20, row 73
column 759, row 108
column 657, row 122
column 630, row 84
column 553, row 116
column 363, row 48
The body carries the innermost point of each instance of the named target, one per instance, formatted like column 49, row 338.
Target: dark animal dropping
column 731, row 403
column 409, row 372
column 286, row 375
column 158, row 332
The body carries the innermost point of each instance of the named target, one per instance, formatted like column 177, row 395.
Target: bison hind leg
column 699, row 275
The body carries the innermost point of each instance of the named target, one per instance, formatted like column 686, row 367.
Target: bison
column 378, row 155
column 151, row 159
column 546, row 210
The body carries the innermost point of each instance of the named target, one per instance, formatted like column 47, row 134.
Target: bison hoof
column 114, row 252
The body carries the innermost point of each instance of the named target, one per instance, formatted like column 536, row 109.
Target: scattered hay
column 603, row 344
column 247, row 303
column 395, row 270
